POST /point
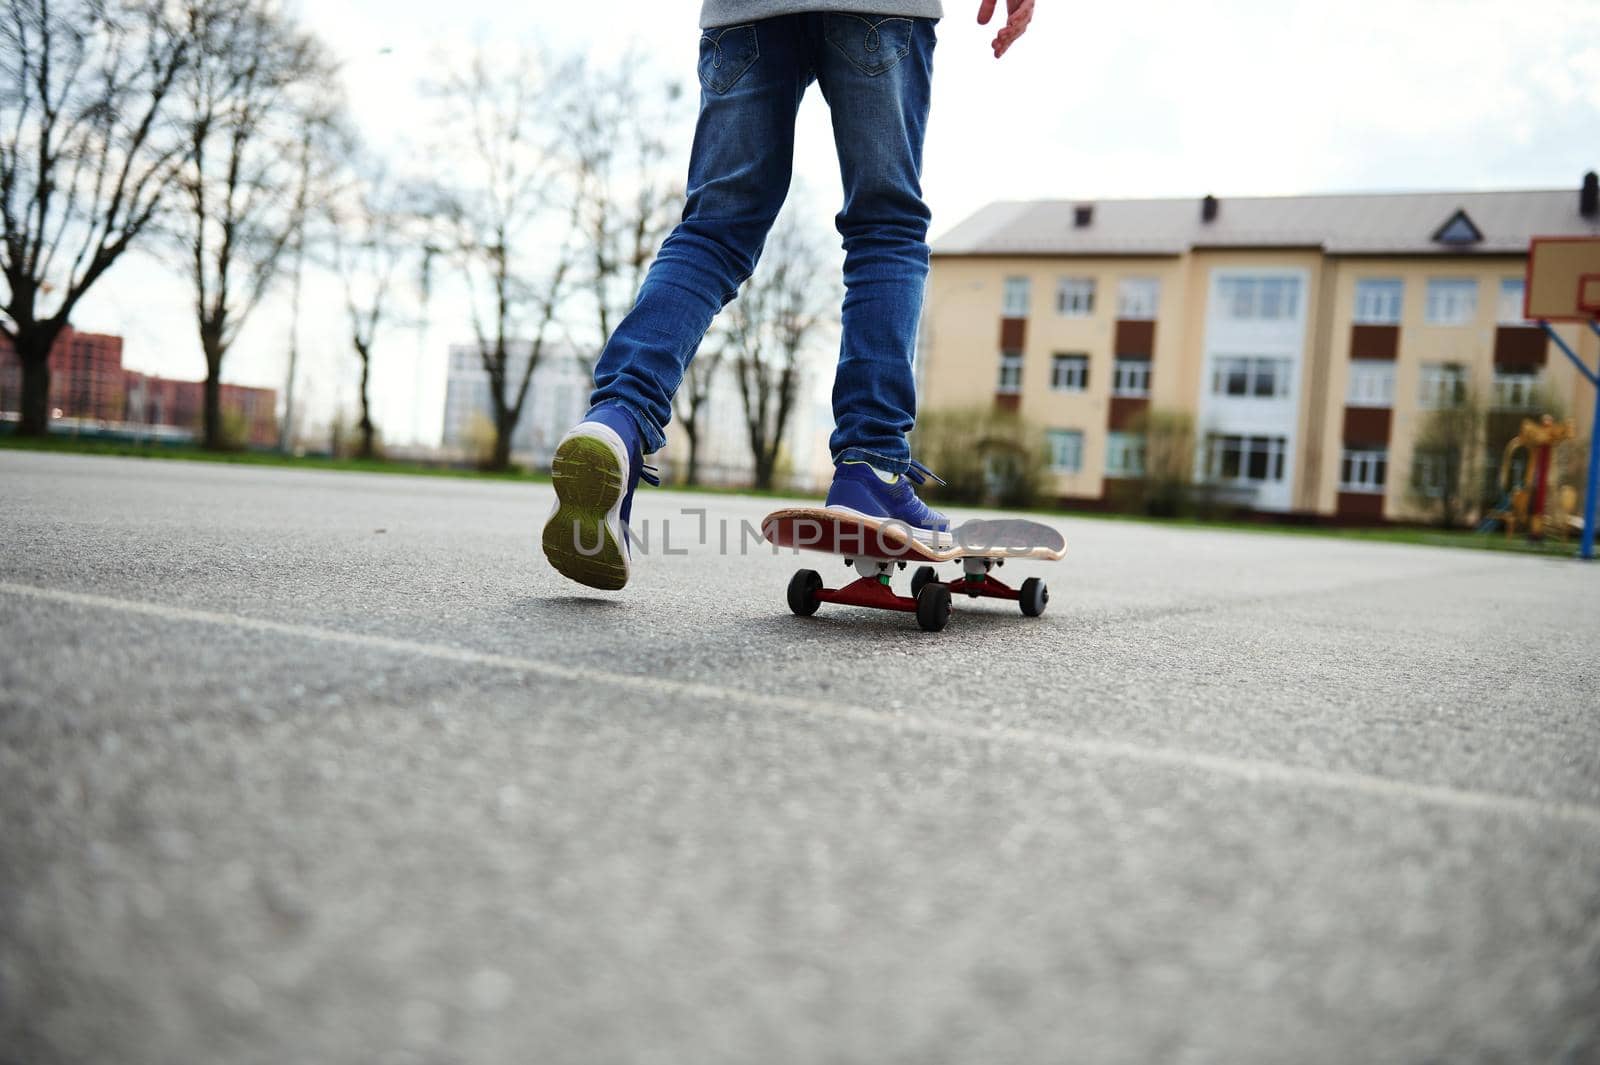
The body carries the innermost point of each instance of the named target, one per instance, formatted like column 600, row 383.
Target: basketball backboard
column 1563, row 280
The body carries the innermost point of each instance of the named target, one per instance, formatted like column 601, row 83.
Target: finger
column 985, row 12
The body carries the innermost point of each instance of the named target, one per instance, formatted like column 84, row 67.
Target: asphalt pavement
column 325, row 767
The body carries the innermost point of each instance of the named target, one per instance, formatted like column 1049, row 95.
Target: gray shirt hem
column 715, row 13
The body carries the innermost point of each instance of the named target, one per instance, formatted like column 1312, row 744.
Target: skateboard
column 874, row 549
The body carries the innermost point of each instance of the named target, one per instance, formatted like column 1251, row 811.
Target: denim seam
column 716, row 63
column 873, row 28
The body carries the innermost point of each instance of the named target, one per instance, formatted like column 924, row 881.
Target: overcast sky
column 1100, row 100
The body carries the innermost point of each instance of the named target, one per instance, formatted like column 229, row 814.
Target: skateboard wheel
column 933, row 607
column 1033, row 597
column 922, row 577
column 803, row 589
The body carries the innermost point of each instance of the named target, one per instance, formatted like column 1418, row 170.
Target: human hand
column 1019, row 14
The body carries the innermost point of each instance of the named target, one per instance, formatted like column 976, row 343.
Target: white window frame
column 1380, row 300
column 1514, row 391
column 1017, row 297
column 1246, row 298
column 1452, row 301
column 1065, row 443
column 1275, row 450
column 1253, row 368
column 1138, row 298
column 1130, row 378
column 1371, row 383
column 1069, row 372
column 1441, row 385
column 1363, row 469
column 1125, row 454
column 1009, row 379
column 1509, row 308
column 1075, row 297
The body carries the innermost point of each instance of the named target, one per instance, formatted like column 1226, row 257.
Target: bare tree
column 371, row 245
column 777, row 313
column 510, row 220
column 259, row 92
column 87, row 158
column 694, row 395
column 1448, row 450
column 615, row 130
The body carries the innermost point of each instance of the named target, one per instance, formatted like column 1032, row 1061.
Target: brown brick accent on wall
column 1360, row 506
column 1374, row 341
column 1124, row 409
column 1135, row 338
column 1010, row 402
column 1367, row 425
column 1013, row 333
column 1520, row 347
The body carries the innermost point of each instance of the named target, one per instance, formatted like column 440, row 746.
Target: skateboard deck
column 877, row 548
column 820, row 529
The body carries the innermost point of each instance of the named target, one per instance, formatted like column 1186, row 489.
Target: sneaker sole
column 583, row 537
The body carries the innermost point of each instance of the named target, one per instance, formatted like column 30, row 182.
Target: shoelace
column 652, row 476
column 920, row 474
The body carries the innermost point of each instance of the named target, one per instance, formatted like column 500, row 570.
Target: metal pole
column 1593, row 489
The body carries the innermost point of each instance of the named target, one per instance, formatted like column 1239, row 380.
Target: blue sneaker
column 859, row 489
column 596, row 467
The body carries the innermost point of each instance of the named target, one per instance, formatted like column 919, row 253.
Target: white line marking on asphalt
column 1251, row 770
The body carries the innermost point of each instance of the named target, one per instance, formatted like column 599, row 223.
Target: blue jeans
column 875, row 74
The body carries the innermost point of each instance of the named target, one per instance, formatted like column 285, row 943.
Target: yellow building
column 1305, row 336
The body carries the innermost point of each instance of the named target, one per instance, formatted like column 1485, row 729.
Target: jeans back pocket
column 872, row 43
column 725, row 54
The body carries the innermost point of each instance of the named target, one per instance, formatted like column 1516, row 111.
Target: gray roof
column 1349, row 224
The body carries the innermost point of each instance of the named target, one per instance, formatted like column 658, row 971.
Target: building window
column 1010, row 372
column 1452, row 301
column 1515, row 390
column 1075, row 297
column 1510, row 309
column 1444, row 384
column 1138, row 298
column 1247, row 459
column 1379, row 301
column 1066, row 450
column 1069, row 373
column 1371, row 383
column 1131, row 378
column 1264, row 299
column 1242, row 375
column 1364, row 469
column 1019, row 293
column 1124, row 455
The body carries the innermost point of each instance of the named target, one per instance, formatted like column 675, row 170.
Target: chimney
column 1589, row 196
column 1208, row 209
column 1082, row 215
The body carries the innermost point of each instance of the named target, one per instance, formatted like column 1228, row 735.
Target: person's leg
column 876, row 74
column 752, row 78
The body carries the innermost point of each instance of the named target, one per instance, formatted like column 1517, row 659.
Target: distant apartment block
column 89, row 388
column 558, row 395
column 1307, row 337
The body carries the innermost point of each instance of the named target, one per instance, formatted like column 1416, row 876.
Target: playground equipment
column 1563, row 285
column 1540, row 502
